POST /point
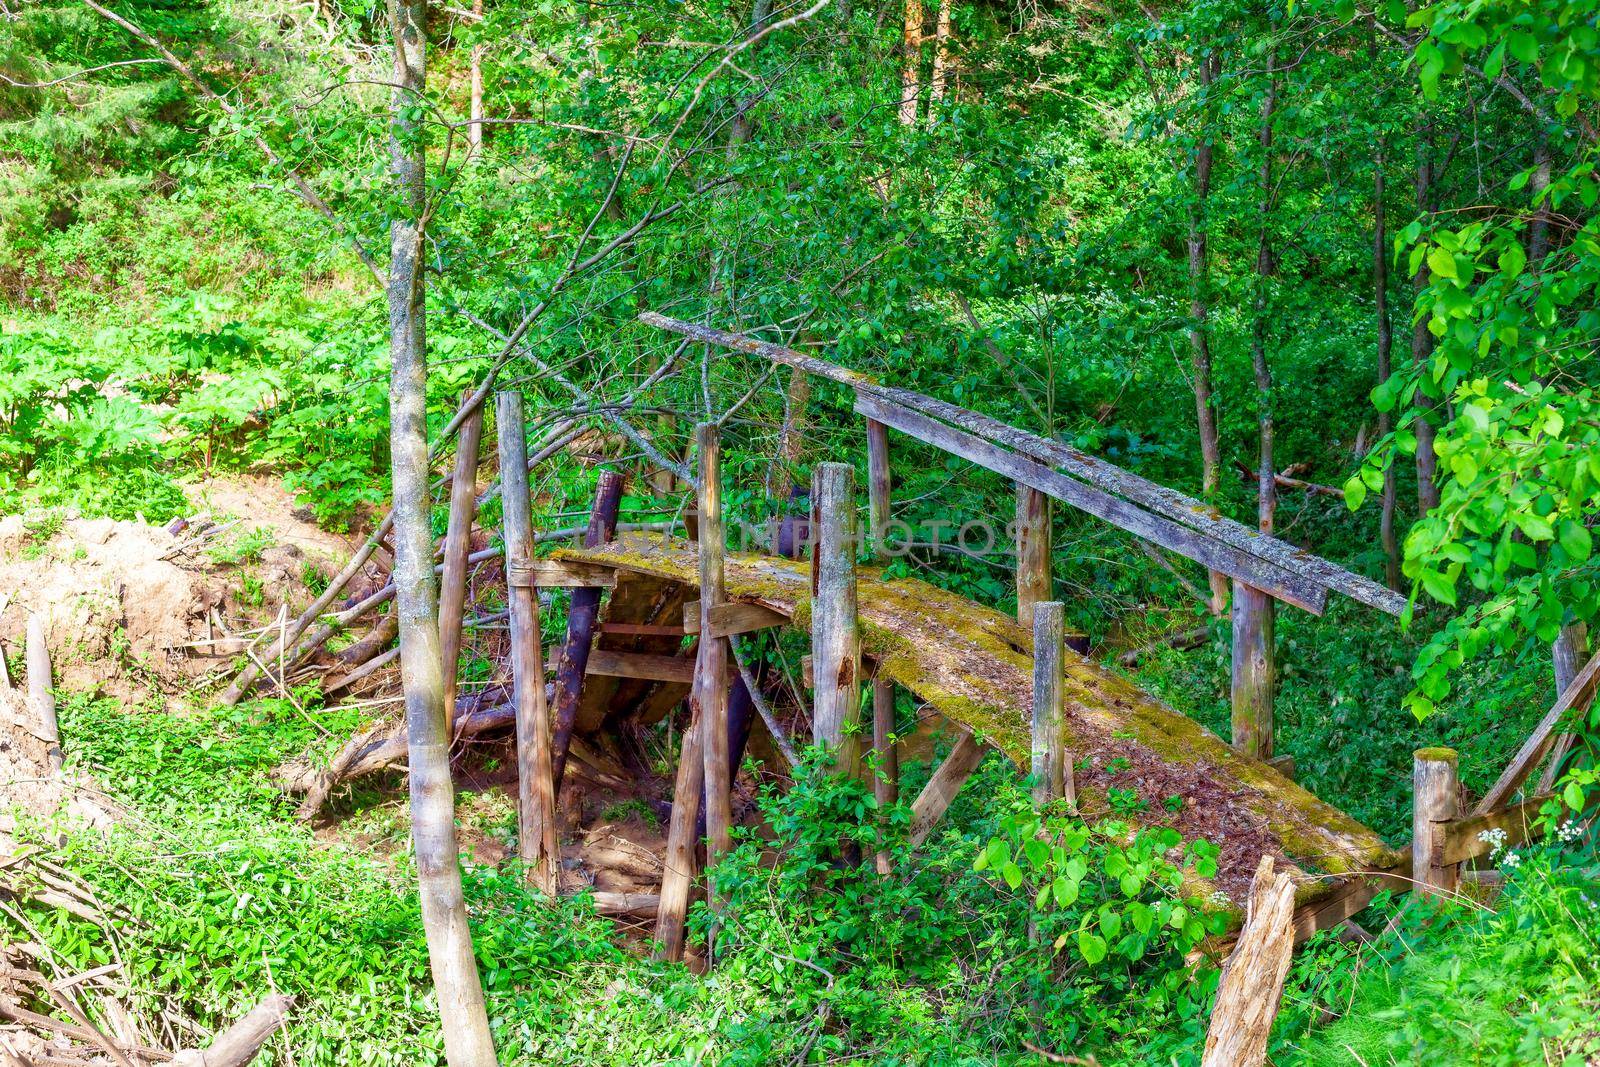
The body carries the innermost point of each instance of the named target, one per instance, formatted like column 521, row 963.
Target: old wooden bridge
column 1001, row 683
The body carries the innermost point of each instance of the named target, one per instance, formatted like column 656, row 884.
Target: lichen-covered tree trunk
column 444, row 910
column 911, row 71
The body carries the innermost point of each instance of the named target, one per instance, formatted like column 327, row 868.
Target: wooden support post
column 1033, row 551
column 536, row 800
column 582, row 615
column 1255, row 674
column 1567, row 656
column 1435, row 802
column 710, row 690
column 457, row 545
column 1052, row 767
column 886, row 782
column 678, row 865
column 835, row 642
column 40, row 694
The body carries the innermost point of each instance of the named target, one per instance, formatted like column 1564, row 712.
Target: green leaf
column 1093, row 947
column 1575, row 540
column 1011, row 873
column 1442, row 263
column 1355, row 491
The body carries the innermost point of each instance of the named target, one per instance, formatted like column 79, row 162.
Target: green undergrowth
column 222, row 896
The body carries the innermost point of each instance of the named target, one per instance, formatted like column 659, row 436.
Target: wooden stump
column 1252, row 979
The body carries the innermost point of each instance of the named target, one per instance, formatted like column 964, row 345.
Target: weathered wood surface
column 457, row 544
column 1217, row 555
column 1436, row 800
column 1577, row 695
column 1033, row 551
column 974, row 666
column 555, row 574
column 1462, row 839
column 730, row 620
column 710, row 692
column 642, row 615
column 835, row 634
column 1254, row 680
column 680, row 864
column 536, row 797
column 582, row 614
column 943, row 785
column 1052, row 771
column 1251, row 985
column 1159, row 499
column 239, row 1043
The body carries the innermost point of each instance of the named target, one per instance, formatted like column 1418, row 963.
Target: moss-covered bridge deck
column 974, row 666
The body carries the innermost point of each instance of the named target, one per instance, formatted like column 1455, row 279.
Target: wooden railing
column 1264, row 569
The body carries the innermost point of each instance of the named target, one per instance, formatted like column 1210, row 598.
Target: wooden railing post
column 457, row 538
column 710, row 690
column 1255, row 672
column 1435, row 802
column 886, row 783
column 536, row 802
column 1052, row 770
column 835, row 642
column 1033, row 551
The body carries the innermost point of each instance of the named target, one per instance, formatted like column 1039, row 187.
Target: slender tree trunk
column 1421, row 339
column 941, row 59
column 1380, row 302
column 1266, row 474
column 1539, row 230
column 1199, row 340
column 444, row 909
column 911, row 72
column 475, row 113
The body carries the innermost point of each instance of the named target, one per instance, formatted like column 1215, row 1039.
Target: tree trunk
column 1380, row 302
column 941, row 59
column 444, row 909
column 911, row 72
column 1199, row 342
column 1538, row 182
column 1266, row 474
column 1422, row 340
column 475, row 112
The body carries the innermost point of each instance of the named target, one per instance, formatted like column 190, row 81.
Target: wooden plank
column 1169, row 503
column 643, row 905
column 536, row 800
column 835, row 638
column 1288, row 587
column 641, row 665
column 945, row 782
column 560, row 574
column 1435, row 800
column 1576, row 695
column 1461, row 839
column 1328, row 912
column 648, row 612
column 641, row 629
column 1254, row 671
column 731, row 619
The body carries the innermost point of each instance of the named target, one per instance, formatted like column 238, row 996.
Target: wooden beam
column 1462, row 839
column 642, row 905
column 1347, row 900
column 536, row 799
column 641, row 629
column 560, row 574
column 710, row 690
column 641, row 665
column 943, row 785
column 732, row 618
column 1435, row 800
column 835, row 639
column 1293, row 589
column 1052, row 771
column 885, row 749
column 680, row 864
column 1578, row 695
column 1178, row 507
column 1255, row 672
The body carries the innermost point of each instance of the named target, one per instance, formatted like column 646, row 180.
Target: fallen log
column 40, row 695
column 239, row 1043
column 1252, row 979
